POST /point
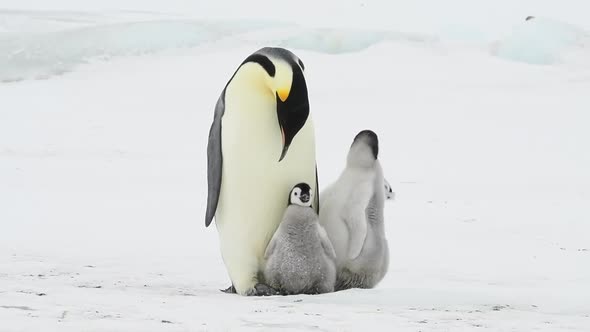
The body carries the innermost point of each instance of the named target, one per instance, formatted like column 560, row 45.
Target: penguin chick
column 352, row 215
column 300, row 257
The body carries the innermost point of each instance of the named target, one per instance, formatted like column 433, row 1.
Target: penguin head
column 301, row 195
column 364, row 149
column 281, row 74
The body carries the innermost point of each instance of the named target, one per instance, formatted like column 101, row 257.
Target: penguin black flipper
column 214, row 160
column 317, row 189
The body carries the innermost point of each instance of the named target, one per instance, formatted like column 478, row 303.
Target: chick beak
column 304, row 198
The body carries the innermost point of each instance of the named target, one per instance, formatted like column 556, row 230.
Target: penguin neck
column 360, row 173
column 361, row 156
column 367, row 176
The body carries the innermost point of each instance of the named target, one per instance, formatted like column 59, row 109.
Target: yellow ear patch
column 283, row 94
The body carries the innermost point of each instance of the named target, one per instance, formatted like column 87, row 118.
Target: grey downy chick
column 300, row 257
column 352, row 215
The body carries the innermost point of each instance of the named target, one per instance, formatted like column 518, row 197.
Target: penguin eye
column 296, row 194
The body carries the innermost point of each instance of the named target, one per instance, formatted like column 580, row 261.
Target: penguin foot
column 230, row 290
column 263, row 290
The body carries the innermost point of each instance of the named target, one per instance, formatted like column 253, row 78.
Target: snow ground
column 102, row 177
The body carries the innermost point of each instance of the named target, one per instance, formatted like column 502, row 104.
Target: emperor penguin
column 300, row 257
column 352, row 215
column 261, row 143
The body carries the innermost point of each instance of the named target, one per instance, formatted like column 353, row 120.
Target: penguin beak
column 285, row 146
column 283, row 94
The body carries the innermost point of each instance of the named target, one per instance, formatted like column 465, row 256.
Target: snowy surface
column 103, row 186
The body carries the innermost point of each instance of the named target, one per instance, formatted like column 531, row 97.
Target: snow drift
column 543, row 41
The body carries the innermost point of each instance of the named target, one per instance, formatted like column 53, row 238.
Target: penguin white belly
column 255, row 184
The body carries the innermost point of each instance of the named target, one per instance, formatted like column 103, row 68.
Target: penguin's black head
column 364, row 149
column 301, row 195
column 283, row 77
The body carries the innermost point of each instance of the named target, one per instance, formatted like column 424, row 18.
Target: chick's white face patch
column 296, row 194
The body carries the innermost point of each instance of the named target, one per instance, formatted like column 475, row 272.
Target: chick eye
column 296, row 194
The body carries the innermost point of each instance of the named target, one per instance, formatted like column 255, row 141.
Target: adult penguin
column 261, row 144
